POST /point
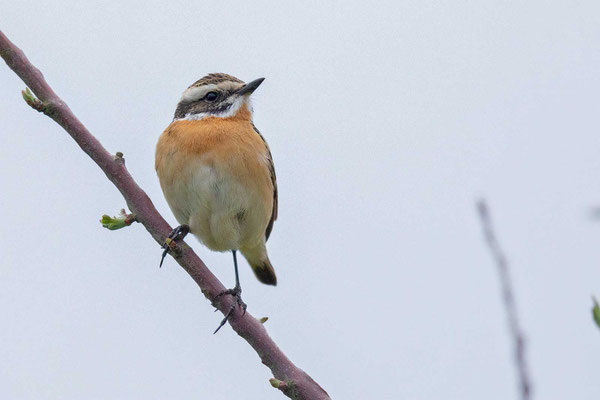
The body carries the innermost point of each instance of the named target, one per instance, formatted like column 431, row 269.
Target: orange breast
column 230, row 145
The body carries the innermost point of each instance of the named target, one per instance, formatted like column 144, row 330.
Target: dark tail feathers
column 264, row 272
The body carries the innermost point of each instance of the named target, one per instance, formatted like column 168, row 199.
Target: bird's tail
column 261, row 265
column 264, row 272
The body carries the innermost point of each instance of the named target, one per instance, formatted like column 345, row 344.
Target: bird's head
column 216, row 95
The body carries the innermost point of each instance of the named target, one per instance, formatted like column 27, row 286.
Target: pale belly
column 224, row 213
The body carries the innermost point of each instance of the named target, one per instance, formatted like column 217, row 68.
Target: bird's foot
column 176, row 234
column 236, row 292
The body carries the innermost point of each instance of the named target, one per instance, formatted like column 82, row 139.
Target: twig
column 114, row 223
column 509, row 299
column 249, row 328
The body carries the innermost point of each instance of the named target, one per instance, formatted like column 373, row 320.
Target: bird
column 217, row 174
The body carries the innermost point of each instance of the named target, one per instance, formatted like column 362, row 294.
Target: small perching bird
column 217, row 174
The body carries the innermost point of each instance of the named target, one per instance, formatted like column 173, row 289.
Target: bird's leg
column 236, row 292
column 176, row 234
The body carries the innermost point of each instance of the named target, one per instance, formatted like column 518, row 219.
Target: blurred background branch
column 508, row 299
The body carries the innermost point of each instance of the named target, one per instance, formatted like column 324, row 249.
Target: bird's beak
column 250, row 87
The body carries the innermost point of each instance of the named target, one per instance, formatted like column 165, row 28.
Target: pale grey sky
column 386, row 122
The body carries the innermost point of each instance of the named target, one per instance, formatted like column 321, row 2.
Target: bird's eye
column 211, row 96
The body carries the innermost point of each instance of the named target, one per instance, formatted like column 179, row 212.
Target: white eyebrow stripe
column 229, row 86
column 197, row 92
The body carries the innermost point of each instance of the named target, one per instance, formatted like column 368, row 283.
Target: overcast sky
column 386, row 120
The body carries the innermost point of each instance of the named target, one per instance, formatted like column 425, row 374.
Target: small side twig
column 32, row 101
column 114, row 223
column 286, row 387
column 277, row 384
column 509, row 299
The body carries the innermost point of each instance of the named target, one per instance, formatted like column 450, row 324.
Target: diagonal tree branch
column 291, row 380
column 509, row 299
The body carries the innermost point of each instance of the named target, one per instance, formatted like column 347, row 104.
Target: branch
column 509, row 299
column 299, row 384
